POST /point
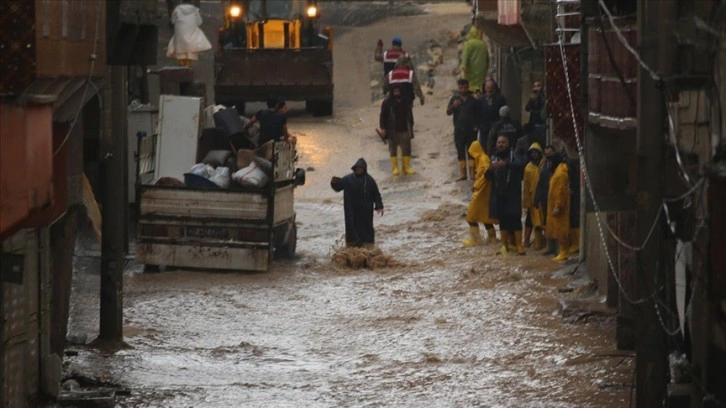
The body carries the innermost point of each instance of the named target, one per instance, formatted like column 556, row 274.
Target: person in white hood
column 188, row 39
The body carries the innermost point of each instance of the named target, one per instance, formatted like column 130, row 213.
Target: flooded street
column 446, row 326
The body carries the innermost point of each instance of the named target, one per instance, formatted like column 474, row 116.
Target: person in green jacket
column 474, row 60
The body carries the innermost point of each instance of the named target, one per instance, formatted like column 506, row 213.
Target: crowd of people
column 515, row 178
column 526, row 187
column 401, row 87
column 513, row 174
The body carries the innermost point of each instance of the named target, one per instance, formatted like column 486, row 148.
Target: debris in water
column 361, row 257
column 443, row 212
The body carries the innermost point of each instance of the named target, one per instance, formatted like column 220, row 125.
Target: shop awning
column 505, row 35
column 70, row 94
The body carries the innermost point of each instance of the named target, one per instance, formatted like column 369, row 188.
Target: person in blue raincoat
column 360, row 198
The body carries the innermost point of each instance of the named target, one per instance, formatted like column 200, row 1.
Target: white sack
column 203, row 170
column 188, row 39
column 251, row 175
column 220, row 177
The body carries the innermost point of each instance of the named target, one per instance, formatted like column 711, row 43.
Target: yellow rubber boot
column 394, row 166
column 406, row 160
column 564, row 250
column 574, row 240
column 518, row 243
column 462, row 170
column 492, row 240
column 474, row 237
column 539, row 241
column 503, row 251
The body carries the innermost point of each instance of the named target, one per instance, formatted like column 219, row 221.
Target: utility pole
column 114, row 214
column 589, row 9
column 650, row 341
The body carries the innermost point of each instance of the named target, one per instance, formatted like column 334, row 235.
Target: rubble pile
column 361, row 257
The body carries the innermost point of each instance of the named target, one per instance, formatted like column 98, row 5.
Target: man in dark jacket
column 536, row 108
column 508, row 127
column 488, row 106
column 273, row 122
column 395, row 127
column 463, row 107
column 506, row 173
column 360, row 197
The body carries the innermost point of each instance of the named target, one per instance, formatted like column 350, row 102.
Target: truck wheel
column 323, row 108
column 151, row 268
column 299, row 177
column 287, row 250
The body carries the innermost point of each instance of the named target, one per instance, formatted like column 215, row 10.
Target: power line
column 625, row 42
column 663, row 209
column 588, row 184
column 672, row 129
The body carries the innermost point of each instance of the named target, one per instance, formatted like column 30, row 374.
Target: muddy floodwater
column 440, row 331
column 444, row 326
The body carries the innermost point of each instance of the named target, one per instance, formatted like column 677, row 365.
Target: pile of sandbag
column 255, row 166
column 226, row 168
column 218, row 175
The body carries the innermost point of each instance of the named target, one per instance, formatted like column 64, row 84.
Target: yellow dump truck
column 274, row 48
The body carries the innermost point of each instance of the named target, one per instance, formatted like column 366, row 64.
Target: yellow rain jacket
column 558, row 227
column 478, row 210
column 531, row 178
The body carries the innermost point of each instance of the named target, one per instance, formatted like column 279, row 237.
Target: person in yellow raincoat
column 534, row 213
column 474, row 60
column 558, row 206
column 478, row 210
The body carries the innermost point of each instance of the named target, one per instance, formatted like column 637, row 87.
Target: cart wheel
column 323, row 108
column 309, row 106
column 287, row 249
column 151, row 268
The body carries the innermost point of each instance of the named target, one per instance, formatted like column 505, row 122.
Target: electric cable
column 615, row 66
column 586, row 176
column 671, row 122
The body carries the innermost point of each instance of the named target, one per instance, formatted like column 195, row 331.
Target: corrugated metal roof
column 70, row 94
column 504, row 35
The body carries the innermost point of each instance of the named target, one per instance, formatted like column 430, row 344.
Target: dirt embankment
column 359, row 13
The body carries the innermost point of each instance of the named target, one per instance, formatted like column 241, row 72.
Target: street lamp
column 235, row 11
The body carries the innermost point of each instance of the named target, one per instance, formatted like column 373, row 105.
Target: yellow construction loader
column 274, row 48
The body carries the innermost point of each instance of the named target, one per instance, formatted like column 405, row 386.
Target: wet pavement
column 447, row 327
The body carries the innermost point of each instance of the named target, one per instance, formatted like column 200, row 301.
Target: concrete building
column 54, row 121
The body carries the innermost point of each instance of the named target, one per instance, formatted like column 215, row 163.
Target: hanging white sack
column 188, row 39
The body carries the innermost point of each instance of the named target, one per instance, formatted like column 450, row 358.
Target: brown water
column 454, row 327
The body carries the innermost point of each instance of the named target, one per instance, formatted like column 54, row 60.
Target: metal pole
column 589, row 9
column 114, row 209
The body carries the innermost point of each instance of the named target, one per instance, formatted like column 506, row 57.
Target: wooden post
column 650, row 345
column 114, row 209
